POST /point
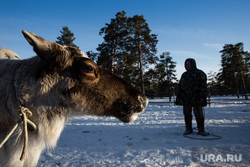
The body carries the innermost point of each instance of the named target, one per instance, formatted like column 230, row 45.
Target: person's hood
column 193, row 64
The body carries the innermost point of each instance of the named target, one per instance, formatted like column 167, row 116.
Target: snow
column 154, row 139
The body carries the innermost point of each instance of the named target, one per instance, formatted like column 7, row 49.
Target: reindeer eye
column 85, row 68
column 89, row 68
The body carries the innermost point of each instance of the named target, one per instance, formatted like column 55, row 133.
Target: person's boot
column 188, row 131
column 203, row 133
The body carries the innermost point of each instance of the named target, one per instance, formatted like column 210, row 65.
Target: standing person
column 192, row 93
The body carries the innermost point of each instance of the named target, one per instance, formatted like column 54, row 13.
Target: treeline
column 233, row 77
column 129, row 51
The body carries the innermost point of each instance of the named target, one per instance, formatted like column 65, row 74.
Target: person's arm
column 178, row 92
column 203, row 87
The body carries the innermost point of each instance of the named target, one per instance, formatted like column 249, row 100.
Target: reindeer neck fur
column 49, row 116
column 49, row 113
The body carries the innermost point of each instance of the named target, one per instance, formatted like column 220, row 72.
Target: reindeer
column 59, row 83
column 8, row 54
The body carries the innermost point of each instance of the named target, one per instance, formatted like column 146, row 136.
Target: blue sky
column 186, row 28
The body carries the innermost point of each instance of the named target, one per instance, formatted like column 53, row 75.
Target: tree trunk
column 141, row 71
column 114, row 47
column 112, row 63
column 244, row 86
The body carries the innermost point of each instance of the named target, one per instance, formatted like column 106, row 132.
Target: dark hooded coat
column 192, row 87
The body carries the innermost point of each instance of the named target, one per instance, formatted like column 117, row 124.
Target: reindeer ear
column 54, row 54
column 41, row 46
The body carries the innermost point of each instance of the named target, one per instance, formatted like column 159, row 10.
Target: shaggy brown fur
column 58, row 83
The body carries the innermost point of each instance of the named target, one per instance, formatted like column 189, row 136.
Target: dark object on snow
column 192, row 86
column 192, row 93
column 188, row 131
column 203, row 133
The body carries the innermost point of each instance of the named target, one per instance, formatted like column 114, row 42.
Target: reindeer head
column 71, row 83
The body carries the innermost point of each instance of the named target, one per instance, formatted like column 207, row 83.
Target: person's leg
column 187, row 111
column 199, row 120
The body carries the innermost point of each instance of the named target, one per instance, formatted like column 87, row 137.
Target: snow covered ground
column 154, row 139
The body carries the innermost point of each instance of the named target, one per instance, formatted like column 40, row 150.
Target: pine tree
column 128, row 47
column 163, row 77
column 151, row 81
column 141, row 44
column 166, row 73
column 234, row 68
column 212, row 80
column 111, row 50
column 66, row 38
column 169, row 72
column 246, row 58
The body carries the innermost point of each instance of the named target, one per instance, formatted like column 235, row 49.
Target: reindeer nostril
column 140, row 98
column 143, row 101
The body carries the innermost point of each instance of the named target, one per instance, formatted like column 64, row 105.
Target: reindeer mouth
column 130, row 118
column 130, row 112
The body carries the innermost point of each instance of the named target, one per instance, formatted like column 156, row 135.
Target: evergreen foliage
column 111, row 50
column 234, row 74
column 129, row 50
column 128, row 47
column 163, row 77
column 66, row 38
column 142, row 45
